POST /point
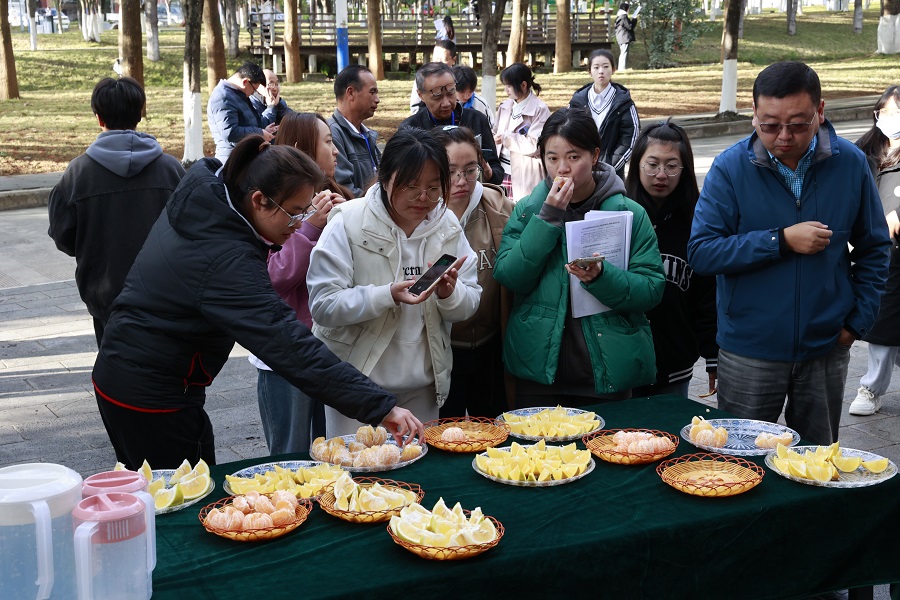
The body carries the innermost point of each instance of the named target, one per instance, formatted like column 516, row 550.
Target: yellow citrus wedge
column 798, row 468
column 168, row 497
column 156, row 485
column 875, row 466
column 146, row 471
column 183, row 469
column 819, row 472
column 195, row 487
column 846, row 464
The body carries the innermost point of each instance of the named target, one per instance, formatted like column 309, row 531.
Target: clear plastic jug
column 112, row 548
column 132, row 483
column 37, row 558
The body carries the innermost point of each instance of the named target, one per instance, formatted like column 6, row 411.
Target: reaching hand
column 401, row 422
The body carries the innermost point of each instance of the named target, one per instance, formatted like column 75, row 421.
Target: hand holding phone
column 432, row 277
column 582, row 263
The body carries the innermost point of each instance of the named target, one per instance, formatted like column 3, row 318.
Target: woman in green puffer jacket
column 551, row 353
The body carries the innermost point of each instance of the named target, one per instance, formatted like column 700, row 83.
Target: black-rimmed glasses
column 652, row 169
column 469, row 173
column 792, row 128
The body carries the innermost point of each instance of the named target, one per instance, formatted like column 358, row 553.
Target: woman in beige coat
column 520, row 120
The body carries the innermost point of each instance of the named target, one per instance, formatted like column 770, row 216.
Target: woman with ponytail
column 198, row 285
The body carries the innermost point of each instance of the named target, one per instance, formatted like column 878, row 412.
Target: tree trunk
column 193, row 108
column 232, row 28
column 151, row 15
column 9, row 83
column 31, row 6
column 373, row 23
column 293, row 68
column 741, row 24
column 563, row 62
column 730, row 26
column 857, row 16
column 792, row 17
column 889, row 27
column 515, row 51
column 131, row 49
column 490, row 41
column 59, row 14
column 215, row 47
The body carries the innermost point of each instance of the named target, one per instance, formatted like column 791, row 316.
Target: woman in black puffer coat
column 198, row 285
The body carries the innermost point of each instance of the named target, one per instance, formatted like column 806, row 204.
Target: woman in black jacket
column 661, row 179
column 613, row 111
column 198, row 285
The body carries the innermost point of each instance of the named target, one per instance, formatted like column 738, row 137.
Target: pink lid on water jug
column 113, row 481
column 120, row 515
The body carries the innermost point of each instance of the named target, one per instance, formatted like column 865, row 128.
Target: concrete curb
column 30, row 198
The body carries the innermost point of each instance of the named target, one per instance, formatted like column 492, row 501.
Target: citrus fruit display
column 184, row 485
column 303, row 482
column 829, row 464
column 442, row 527
column 539, row 463
column 551, row 422
column 702, row 432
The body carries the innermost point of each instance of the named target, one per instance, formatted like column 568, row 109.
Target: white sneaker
column 866, row 403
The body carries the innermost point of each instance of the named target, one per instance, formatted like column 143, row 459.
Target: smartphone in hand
column 582, row 263
column 432, row 276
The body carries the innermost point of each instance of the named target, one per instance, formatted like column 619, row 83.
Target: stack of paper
column 606, row 233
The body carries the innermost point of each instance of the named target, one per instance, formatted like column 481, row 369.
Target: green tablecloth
column 619, row 532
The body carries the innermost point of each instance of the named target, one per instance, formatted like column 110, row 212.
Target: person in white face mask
column 882, row 147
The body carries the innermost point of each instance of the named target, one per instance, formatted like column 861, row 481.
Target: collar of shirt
column 794, row 178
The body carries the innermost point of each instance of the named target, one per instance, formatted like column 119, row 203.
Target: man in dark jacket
column 110, row 196
column 268, row 101
column 440, row 106
column 230, row 113
column 356, row 92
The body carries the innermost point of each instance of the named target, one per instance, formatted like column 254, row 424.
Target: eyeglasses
column 652, row 169
column 793, row 128
column 412, row 192
column 886, row 112
column 444, row 90
column 470, row 174
column 296, row 220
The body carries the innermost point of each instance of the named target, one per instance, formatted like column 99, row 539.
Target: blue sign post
column 343, row 38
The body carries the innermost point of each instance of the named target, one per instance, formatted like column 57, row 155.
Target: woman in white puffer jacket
column 368, row 256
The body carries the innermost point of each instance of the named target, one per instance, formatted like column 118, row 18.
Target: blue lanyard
column 434, row 121
column 369, row 148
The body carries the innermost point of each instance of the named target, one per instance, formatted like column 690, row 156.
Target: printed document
column 608, row 233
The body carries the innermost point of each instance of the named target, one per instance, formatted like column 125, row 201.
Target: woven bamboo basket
column 601, row 445
column 304, row 507
column 481, row 433
column 705, row 474
column 327, row 500
column 450, row 552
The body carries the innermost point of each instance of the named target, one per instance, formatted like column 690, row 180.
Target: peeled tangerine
column 254, row 511
column 454, row 434
column 702, row 432
column 442, row 527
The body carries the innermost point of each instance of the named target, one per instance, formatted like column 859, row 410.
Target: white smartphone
column 432, row 276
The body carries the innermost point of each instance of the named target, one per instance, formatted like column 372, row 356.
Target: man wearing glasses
column 437, row 89
column 230, row 113
column 267, row 100
column 790, row 222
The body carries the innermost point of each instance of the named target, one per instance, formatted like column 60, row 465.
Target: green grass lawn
column 52, row 122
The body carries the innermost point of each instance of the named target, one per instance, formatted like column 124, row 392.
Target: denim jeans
column 753, row 388
column 290, row 418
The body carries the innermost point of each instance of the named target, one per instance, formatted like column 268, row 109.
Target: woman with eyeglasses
column 290, row 418
column 882, row 147
column 198, row 285
column 477, row 383
column 661, row 179
column 520, row 119
column 552, row 353
column 370, row 254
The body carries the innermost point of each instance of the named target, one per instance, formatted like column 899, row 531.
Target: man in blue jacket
column 790, row 222
column 231, row 115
